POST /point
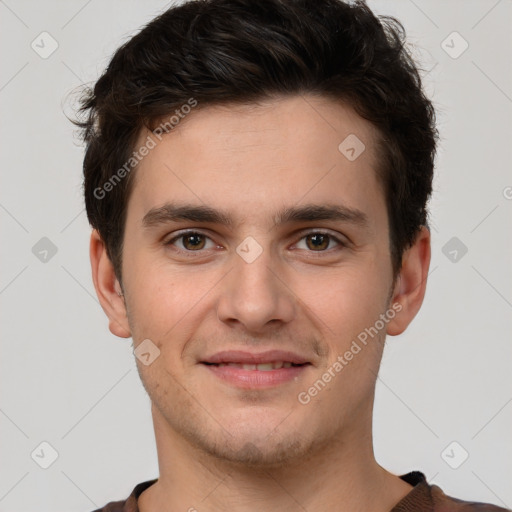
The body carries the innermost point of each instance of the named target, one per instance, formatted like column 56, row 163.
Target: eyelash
column 182, row 234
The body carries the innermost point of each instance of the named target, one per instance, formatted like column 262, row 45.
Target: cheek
column 164, row 302
column 348, row 299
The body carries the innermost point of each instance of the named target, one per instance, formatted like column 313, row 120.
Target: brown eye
column 317, row 241
column 193, row 241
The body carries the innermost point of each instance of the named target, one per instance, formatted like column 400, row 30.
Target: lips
column 261, row 370
column 262, row 367
column 264, row 361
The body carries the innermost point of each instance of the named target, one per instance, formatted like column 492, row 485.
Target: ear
column 411, row 283
column 107, row 287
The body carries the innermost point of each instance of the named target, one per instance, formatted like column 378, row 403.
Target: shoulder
column 444, row 503
column 430, row 498
column 130, row 503
column 113, row 506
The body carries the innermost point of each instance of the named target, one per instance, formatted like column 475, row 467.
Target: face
column 256, row 256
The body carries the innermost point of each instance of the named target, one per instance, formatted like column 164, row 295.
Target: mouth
column 262, row 367
column 256, row 370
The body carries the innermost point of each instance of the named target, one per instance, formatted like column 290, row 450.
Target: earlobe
column 108, row 288
column 411, row 283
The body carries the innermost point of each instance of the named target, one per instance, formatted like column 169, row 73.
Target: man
column 257, row 175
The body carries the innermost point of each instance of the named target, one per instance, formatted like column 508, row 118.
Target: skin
column 221, row 447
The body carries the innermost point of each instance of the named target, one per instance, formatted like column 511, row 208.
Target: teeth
column 265, row 367
column 262, row 367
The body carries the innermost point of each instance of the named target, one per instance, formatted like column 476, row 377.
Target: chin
column 254, row 443
column 259, row 455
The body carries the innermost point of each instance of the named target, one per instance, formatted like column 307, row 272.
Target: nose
column 256, row 294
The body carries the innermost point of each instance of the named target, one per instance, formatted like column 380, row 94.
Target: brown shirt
column 422, row 498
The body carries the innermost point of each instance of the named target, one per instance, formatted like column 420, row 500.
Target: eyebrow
column 172, row 212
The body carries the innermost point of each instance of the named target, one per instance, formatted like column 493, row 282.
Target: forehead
column 262, row 155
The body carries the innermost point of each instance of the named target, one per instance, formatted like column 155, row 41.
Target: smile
column 262, row 367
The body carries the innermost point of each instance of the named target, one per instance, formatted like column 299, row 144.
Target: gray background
column 67, row 381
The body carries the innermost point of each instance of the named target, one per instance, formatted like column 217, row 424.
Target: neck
column 342, row 476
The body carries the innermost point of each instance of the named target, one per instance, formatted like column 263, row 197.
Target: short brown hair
column 242, row 51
